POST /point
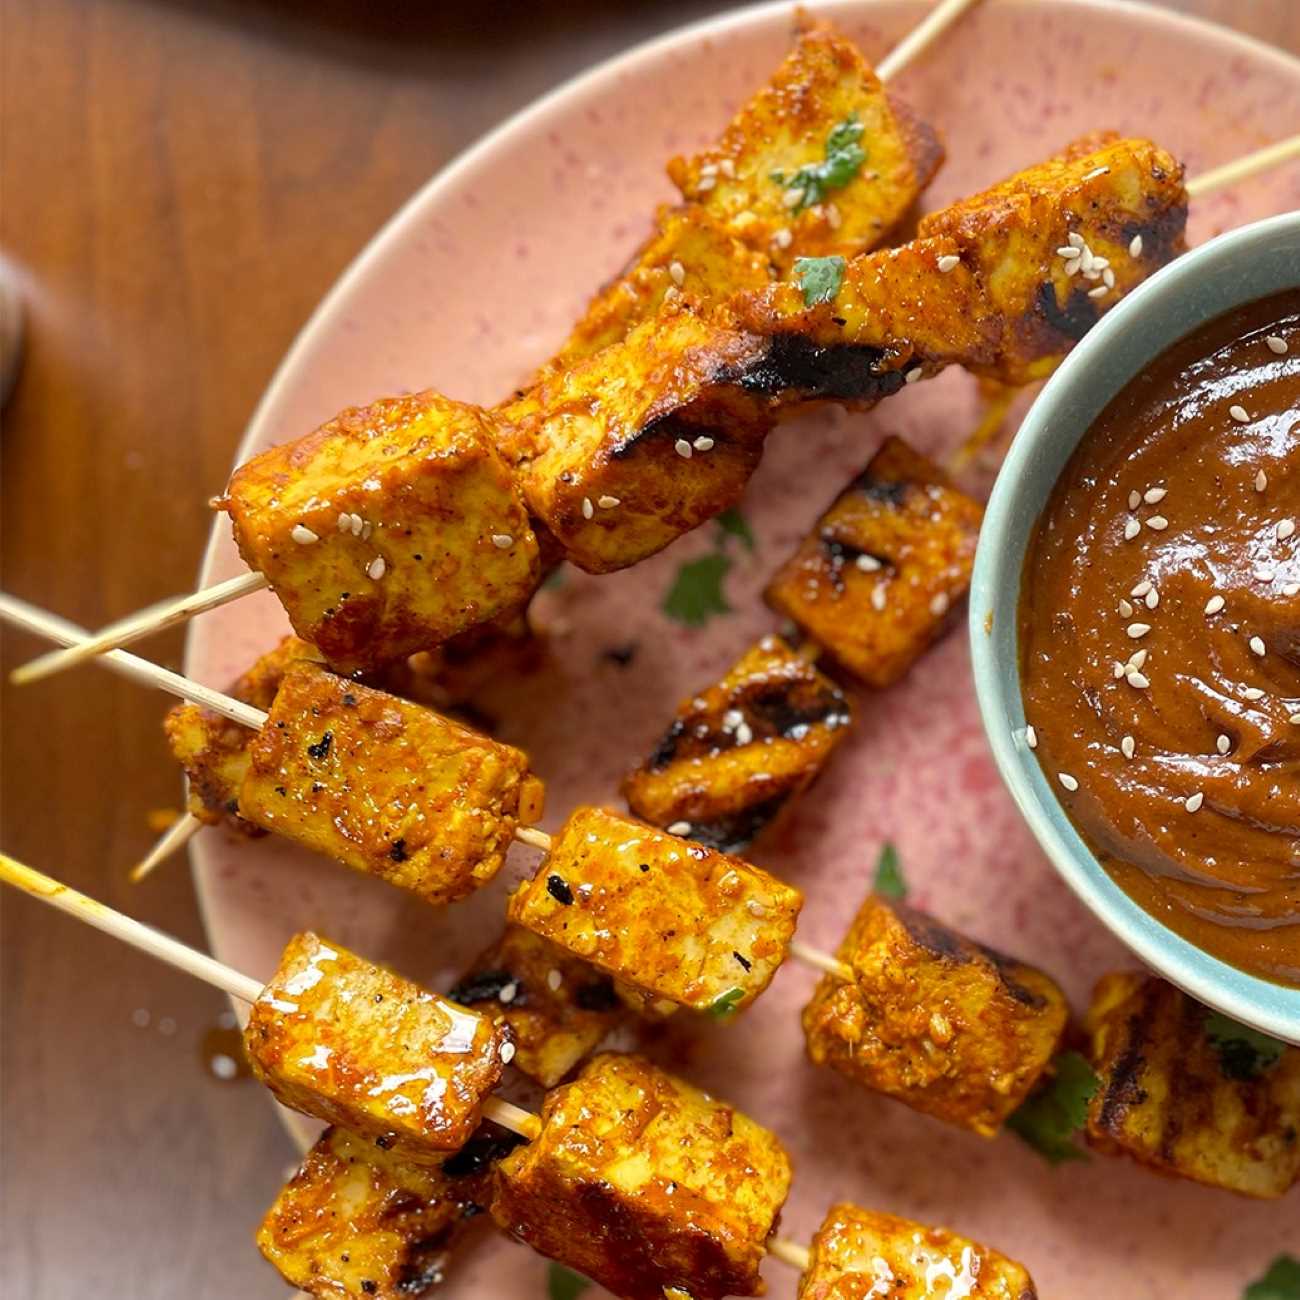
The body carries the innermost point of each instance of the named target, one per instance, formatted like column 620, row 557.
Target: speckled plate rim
column 479, row 155
column 1235, row 268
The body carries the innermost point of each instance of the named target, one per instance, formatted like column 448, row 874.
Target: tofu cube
column 388, row 530
column 740, row 750
column 355, row 1045
column 822, row 160
column 1190, row 1093
column 876, row 579
column 357, row 1222
column 858, row 1254
column 645, row 1184
column 213, row 751
column 934, row 1019
column 557, row 1008
column 676, row 923
column 622, row 453
column 385, row 786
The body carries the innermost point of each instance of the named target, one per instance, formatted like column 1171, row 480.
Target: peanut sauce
column 1173, row 531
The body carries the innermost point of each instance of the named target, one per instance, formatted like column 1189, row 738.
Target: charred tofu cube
column 355, row 1045
column 558, row 1009
column 646, row 1185
column 676, row 923
column 738, row 751
column 622, row 453
column 933, row 1019
column 385, row 786
column 874, row 582
column 858, row 1254
column 357, row 1222
column 387, row 530
column 823, row 160
column 1190, row 1093
column 213, row 751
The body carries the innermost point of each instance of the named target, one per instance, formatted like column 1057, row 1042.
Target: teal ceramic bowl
column 1236, row 268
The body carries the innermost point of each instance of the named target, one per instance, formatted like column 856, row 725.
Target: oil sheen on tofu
column 676, row 923
column 355, row 1045
column 861, row 1254
column 645, row 1184
column 934, row 1019
column 385, row 786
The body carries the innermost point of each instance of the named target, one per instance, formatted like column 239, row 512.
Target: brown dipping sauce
column 1200, row 822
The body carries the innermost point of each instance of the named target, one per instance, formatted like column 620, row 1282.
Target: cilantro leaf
column 724, row 1004
column 1244, row 1053
column 731, row 523
column 819, row 278
column 563, row 1283
column 1048, row 1119
column 889, row 882
column 1281, row 1282
column 696, row 594
column 844, row 158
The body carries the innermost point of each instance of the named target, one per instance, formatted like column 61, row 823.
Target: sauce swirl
column 1160, row 638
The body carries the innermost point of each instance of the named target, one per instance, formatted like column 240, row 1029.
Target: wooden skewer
column 922, row 36
column 1240, row 169
column 139, row 625
column 172, row 840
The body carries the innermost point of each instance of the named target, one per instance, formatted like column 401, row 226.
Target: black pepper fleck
column 559, row 890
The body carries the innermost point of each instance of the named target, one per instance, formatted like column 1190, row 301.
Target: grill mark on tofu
column 1075, row 319
column 794, row 364
column 1122, row 1087
column 486, row 986
column 736, row 833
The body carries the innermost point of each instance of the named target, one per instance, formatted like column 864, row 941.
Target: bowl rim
column 995, row 595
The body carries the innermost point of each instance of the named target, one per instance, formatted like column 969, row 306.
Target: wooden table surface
column 182, row 181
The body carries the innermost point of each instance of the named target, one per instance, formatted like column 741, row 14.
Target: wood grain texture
column 182, row 182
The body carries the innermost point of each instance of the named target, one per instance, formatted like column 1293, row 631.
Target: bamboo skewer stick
column 922, row 36
column 1240, row 169
column 172, row 840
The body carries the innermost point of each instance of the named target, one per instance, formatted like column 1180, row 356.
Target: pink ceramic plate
column 466, row 290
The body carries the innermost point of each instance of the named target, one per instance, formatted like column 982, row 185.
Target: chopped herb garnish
column 563, row 1283
column 844, row 158
column 724, row 1004
column 1281, row 1282
column 1049, row 1118
column 696, row 594
column 1244, row 1053
column 731, row 523
column 819, row 278
column 889, row 882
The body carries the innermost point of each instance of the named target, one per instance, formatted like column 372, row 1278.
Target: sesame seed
column 1136, row 680
column 1138, row 630
column 678, row 272
column 755, row 908
column 878, row 597
column 1276, row 344
column 554, row 979
column 366, row 530
column 1099, row 292
column 1142, row 588
column 1131, row 529
column 357, row 525
column 1253, row 694
column 744, row 734
column 743, row 220
column 1261, row 481
column 703, row 444
column 1072, row 266
column 1214, row 604
column 1031, row 737
column 345, row 522
column 376, row 569
column 1100, row 264
column 1153, row 496
column 783, row 238
column 1118, row 670
column 303, row 535
column 1239, row 414
column 508, row 992
column 705, row 183
column 679, row 828
column 1285, row 529
column 503, row 541
column 1294, row 719
column 1134, row 499
column 867, row 563
column 939, row 605
column 507, row 1053
column 1135, row 246
column 587, row 508
column 608, row 502
column 1074, row 239
column 732, row 719
column 682, row 448
column 1152, row 598
column 1125, row 609
column 709, row 169
column 949, row 262
column 1223, row 744
column 1108, row 278
column 1257, row 646
column 913, row 375
column 793, row 197
column 1136, row 660
column 1127, row 746
column 1067, row 781
column 1096, row 171
column 1158, row 522
column 1291, row 589
column 1068, row 251
column 672, row 294
column 1193, row 802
